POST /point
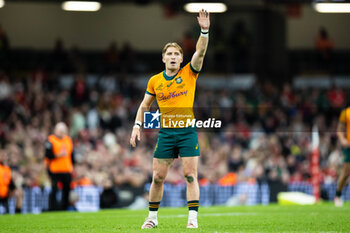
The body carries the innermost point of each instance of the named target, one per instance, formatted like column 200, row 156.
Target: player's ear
column 163, row 59
column 182, row 59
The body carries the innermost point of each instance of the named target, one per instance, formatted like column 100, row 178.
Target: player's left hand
column 204, row 19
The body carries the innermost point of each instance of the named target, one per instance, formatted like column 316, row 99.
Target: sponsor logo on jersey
column 161, row 96
column 178, row 80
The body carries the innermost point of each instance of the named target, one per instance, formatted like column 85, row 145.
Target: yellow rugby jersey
column 174, row 95
column 345, row 118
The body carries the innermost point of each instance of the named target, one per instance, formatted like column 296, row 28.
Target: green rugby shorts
column 174, row 142
column 346, row 153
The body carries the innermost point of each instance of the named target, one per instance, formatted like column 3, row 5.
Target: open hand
column 204, row 19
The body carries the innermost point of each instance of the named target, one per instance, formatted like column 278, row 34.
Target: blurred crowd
column 266, row 133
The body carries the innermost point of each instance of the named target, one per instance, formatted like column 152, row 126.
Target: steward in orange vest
column 6, row 183
column 59, row 159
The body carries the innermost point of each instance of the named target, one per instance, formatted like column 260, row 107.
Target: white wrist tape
column 205, row 33
column 137, row 124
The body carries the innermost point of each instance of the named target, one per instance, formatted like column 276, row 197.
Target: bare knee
column 158, row 178
column 190, row 178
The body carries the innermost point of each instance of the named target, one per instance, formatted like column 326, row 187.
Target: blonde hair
column 172, row 44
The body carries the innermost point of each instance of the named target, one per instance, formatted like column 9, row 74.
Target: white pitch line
column 161, row 216
column 208, row 214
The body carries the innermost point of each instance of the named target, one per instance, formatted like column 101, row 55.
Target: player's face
column 172, row 58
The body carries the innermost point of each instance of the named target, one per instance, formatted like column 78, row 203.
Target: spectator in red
column 79, row 91
column 4, row 45
column 112, row 57
column 336, row 97
column 324, row 46
column 189, row 45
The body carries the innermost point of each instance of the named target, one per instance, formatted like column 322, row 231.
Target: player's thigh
column 166, row 145
column 190, row 165
column 188, row 143
column 346, row 168
column 161, row 167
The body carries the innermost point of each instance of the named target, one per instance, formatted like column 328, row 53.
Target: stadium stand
column 265, row 142
column 263, row 148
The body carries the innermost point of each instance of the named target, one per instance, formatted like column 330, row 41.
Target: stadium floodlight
column 81, row 6
column 2, row 3
column 216, row 7
column 339, row 6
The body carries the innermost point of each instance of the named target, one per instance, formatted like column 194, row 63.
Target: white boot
column 338, row 202
column 150, row 223
column 192, row 223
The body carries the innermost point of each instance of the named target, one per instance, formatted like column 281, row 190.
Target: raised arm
column 144, row 106
column 202, row 43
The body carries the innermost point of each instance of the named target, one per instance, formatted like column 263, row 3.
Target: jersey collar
column 168, row 78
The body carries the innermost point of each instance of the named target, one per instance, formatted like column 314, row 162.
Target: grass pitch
column 272, row 218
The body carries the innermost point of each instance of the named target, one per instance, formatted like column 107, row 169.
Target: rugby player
column 174, row 89
column 343, row 133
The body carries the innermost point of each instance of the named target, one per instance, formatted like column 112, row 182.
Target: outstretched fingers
column 203, row 14
column 203, row 19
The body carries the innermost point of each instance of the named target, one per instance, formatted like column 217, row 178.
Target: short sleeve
column 150, row 87
column 192, row 71
column 49, row 150
column 342, row 117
